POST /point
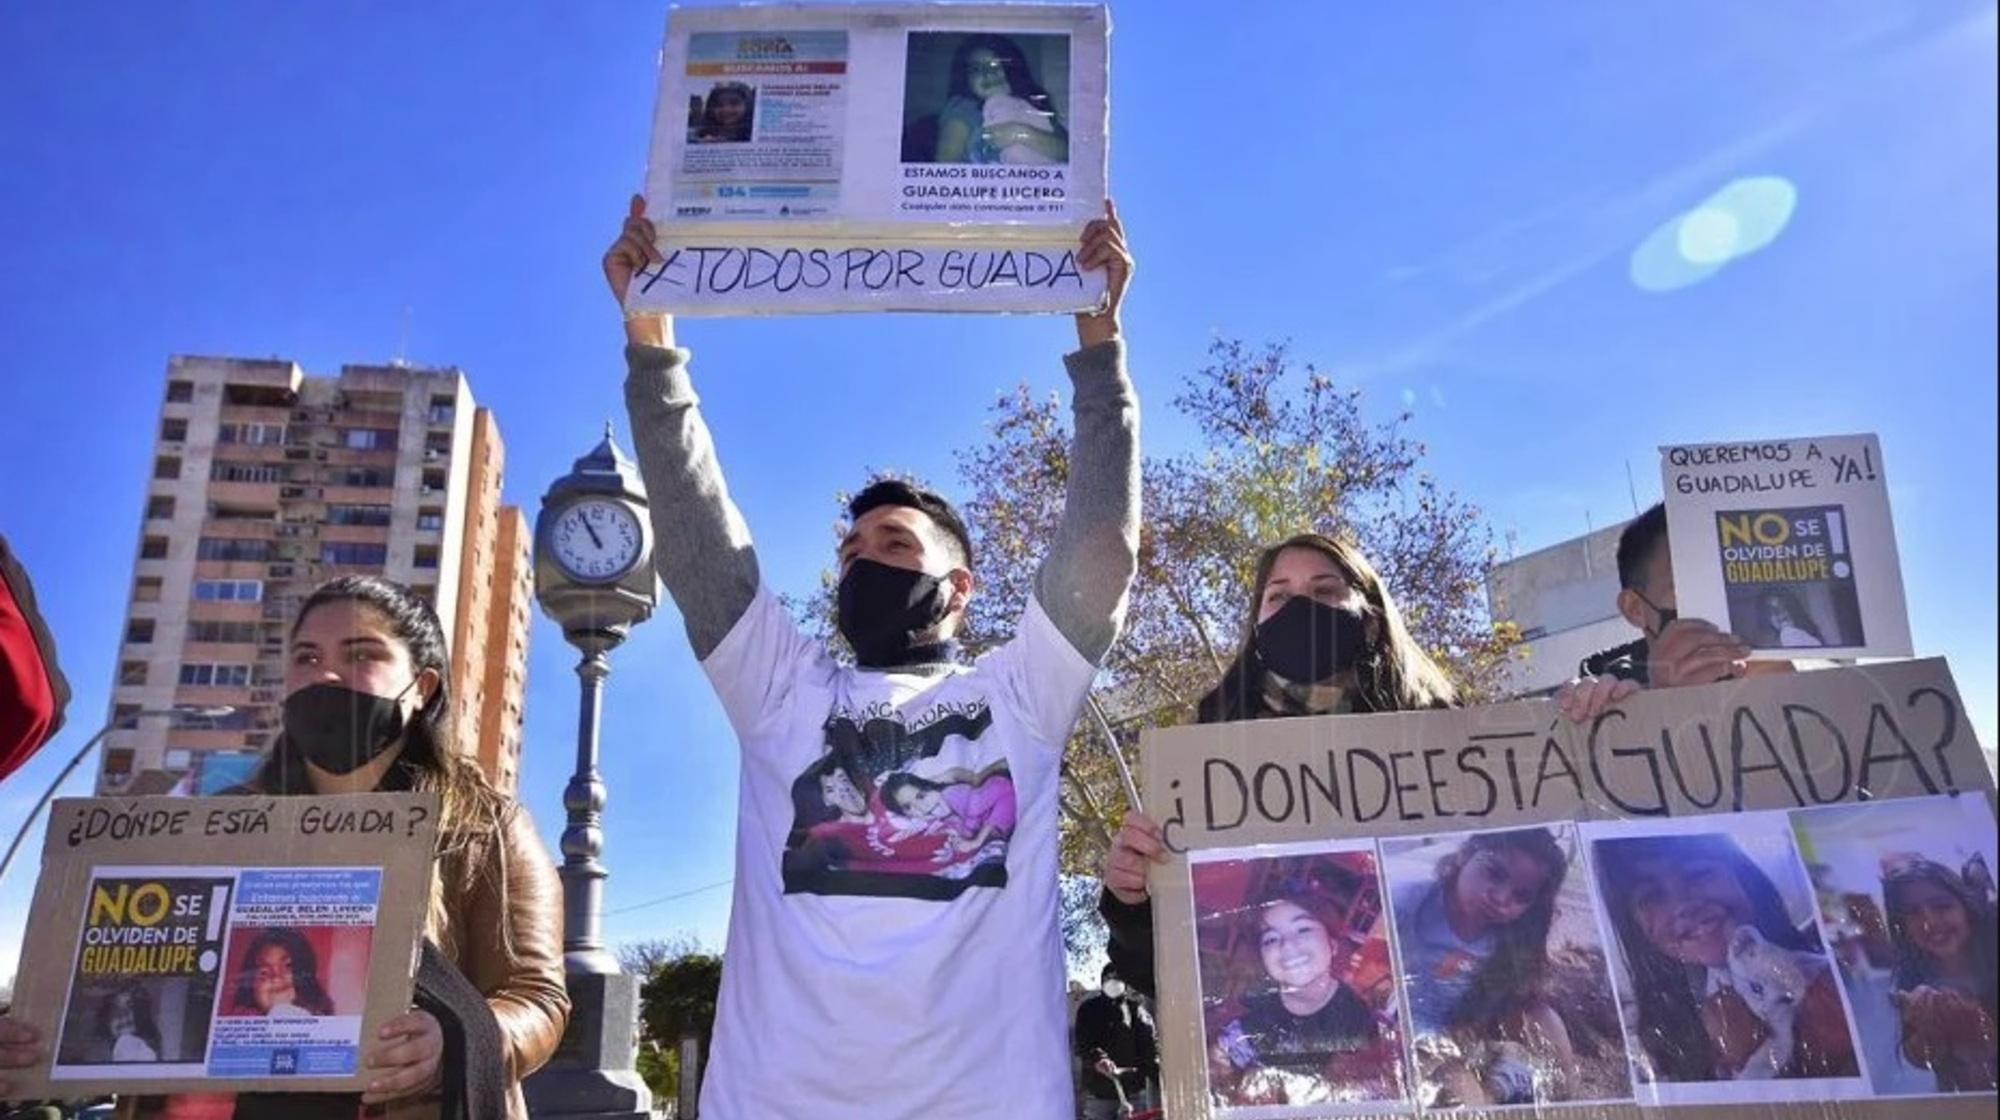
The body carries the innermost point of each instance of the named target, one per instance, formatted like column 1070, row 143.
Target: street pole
column 583, row 871
column 76, row 760
column 594, row 577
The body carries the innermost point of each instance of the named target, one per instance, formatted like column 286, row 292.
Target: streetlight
column 177, row 712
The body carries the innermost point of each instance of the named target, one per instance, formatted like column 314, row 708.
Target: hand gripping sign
column 222, row 944
column 877, row 157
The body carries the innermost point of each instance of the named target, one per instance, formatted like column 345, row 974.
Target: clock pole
column 596, row 600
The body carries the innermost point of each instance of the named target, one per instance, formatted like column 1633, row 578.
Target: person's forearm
column 1083, row 580
column 650, row 330
column 701, row 547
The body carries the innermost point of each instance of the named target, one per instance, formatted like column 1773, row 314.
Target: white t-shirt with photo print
column 894, row 951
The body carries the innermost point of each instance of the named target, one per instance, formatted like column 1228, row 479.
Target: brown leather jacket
column 501, row 923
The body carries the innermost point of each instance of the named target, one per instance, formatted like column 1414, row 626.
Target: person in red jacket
column 33, row 692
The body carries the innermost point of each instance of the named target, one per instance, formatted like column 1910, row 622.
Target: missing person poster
column 877, row 157
column 226, row 944
column 1750, row 898
column 1788, row 544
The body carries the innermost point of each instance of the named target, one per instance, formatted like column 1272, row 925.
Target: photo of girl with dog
column 1723, row 973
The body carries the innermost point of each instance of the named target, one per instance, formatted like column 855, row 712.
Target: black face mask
column 1667, row 615
column 340, row 730
column 883, row 611
column 1307, row 642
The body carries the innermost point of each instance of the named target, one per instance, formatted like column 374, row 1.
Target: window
column 174, row 430
column 364, row 476
column 226, row 471
column 159, row 507
column 426, row 557
column 167, row 466
column 217, row 771
column 430, row 519
column 368, row 439
column 228, row 590
column 233, row 549
column 353, row 555
column 146, row 589
column 131, row 672
column 180, row 390
column 139, row 631
column 209, row 630
column 125, row 715
column 251, row 433
column 205, row 675
column 117, row 765
column 433, row 482
column 357, row 515
column 240, row 513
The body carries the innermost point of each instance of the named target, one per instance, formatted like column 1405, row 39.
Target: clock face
column 596, row 540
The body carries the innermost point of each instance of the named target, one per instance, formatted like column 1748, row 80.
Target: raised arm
column 700, row 545
column 1083, row 580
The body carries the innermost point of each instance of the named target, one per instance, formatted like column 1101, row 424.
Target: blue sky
column 1440, row 210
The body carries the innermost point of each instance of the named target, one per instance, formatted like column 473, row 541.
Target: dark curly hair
column 304, row 965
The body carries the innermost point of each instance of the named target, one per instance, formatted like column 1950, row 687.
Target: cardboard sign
column 1788, row 544
column 1387, row 914
column 877, row 157
column 222, row 944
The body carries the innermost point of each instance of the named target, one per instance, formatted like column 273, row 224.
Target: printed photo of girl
column 1724, row 975
column 1297, row 989
column 1906, row 896
column 1503, row 970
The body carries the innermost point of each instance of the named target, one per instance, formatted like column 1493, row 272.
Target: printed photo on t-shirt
column 881, row 813
column 1297, row 987
column 1503, row 970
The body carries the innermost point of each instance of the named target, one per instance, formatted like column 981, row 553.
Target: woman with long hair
column 1475, row 952
column 126, row 1025
column 1727, row 985
column 1944, row 983
column 1322, row 636
column 279, row 976
column 1788, row 621
column 994, row 109
column 367, row 708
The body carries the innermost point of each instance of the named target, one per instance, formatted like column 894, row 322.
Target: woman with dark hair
column 279, row 976
column 367, row 708
column 1308, row 1038
column 995, row 111
column 726, row 115
column 126, row 1024
column 1322, row 636
column 1727, row 986
column 1787, row 620
column 1946, row 948
column 1475, row 953
column 973, row 809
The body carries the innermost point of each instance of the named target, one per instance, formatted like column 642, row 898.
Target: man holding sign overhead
column 893, row 947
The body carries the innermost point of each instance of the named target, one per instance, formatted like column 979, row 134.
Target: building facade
column 1565, row 600
column 264, row 483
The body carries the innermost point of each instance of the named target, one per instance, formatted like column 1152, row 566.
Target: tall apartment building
column 266, row 482
column 1565, row 600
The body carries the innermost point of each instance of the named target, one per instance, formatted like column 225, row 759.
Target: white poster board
column 1788, row 544
column 877, row 157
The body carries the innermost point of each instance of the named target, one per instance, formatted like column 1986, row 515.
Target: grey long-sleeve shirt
column 702, row 547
